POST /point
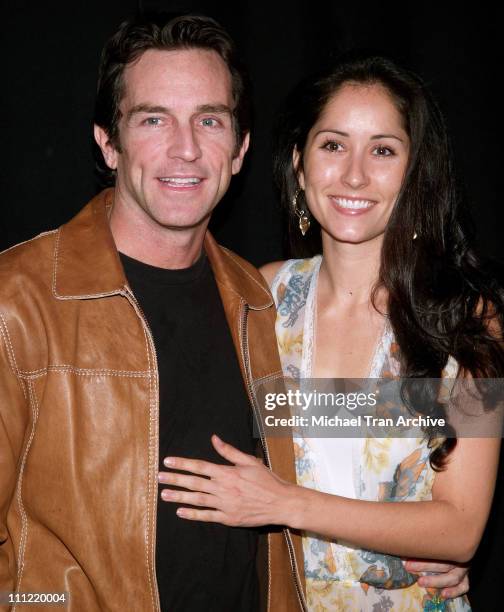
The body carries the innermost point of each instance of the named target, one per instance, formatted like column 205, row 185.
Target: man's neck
column 142, row 239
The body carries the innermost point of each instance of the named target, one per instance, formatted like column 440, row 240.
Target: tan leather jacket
column 79, row 420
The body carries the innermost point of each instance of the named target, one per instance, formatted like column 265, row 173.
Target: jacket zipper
column 252, row 399
column 128, row 294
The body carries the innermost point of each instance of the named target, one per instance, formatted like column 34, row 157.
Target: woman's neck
column 349, row 271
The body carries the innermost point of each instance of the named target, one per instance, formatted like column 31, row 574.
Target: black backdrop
column 50, row 55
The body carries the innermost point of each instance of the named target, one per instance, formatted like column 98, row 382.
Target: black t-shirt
column 200, row 566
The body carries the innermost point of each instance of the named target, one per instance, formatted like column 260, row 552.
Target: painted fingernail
column 181, row 512
column 166, row 494
column 168, row 461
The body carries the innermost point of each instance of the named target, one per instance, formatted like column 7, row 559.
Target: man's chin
column 183, row 225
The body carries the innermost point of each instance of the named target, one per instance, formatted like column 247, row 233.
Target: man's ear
column 237, row 162
column 298, row 167
column 107, row 148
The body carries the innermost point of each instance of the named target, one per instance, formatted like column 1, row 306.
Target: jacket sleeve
column 14, row 410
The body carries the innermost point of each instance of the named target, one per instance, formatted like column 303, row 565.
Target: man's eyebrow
column 146, row 108
column 214, row 108
column 346, row 135
column 203, row 108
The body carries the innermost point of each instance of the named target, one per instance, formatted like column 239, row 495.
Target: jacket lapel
column 86, row 262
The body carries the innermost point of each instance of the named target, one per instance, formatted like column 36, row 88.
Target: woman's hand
column 245, row 494
column 453, row 579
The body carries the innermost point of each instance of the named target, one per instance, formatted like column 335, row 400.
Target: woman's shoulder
column 277, row 270
column 269, row 270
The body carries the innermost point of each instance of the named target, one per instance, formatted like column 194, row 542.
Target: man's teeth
column 355, row 204
column 192, row 180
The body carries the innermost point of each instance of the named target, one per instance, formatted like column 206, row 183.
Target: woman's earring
column 304, row 220
column 415, row 235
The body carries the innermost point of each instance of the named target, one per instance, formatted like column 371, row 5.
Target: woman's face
column 354, row 163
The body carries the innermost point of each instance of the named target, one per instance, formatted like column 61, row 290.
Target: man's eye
column 209, row 122
column 152, row 121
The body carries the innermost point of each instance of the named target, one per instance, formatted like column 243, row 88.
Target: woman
column 362, row 163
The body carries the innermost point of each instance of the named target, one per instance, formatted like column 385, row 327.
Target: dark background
column 50, row 55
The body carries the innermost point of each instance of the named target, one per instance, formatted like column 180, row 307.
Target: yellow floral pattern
column 339, row 576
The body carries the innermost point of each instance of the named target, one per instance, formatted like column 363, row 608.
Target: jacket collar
column 87, row 264
column 231, row 272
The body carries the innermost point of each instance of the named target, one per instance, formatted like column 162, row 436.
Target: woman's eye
column 383, row 151
column 331, row 145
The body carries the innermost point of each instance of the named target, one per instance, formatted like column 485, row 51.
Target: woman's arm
column 448, row 527
column 248, row 494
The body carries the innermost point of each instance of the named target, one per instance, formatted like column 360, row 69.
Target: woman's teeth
column 354, row 204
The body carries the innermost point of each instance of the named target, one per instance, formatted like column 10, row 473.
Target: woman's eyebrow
column 378, row 136
column 346, row 135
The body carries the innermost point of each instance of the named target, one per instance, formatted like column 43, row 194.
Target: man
column 119, row 333
column 127, row 335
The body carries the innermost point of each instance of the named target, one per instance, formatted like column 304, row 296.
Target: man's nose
column 183, row 143
column 355, row 174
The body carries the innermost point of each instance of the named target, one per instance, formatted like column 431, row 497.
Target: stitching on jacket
column 131, row 298
column 150, row 557
column 79, row 296
column 56, row 251
column 229, row 288
column 31, row 374
column 268, row 606
column 228, row 253
column 72, row 297
column 267, row 377
column 41, row 235
column 10, row 349
column 4, row 331
column 242, row 307
column 24, row 518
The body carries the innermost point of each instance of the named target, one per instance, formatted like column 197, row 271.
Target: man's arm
column 14, row 411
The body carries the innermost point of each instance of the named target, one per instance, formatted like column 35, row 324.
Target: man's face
column 176, row 136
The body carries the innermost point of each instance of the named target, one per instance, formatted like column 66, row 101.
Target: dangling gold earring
column 304, row 220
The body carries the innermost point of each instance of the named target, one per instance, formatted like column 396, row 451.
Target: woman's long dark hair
column 441, row 298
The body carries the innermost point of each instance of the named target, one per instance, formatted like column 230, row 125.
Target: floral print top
column 338, row 575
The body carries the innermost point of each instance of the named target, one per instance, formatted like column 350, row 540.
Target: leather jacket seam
column 228, row 253
column 55, row 265
column 268, row 605
column 32, row 374
column 41, row 235
column 150, row 557
column 267, row 377
column 229, row 289
column 242, row 299
column 19, row 493
column 4, row 331
column 78, row 296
